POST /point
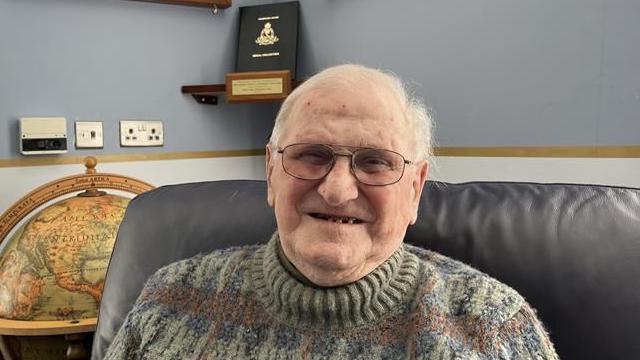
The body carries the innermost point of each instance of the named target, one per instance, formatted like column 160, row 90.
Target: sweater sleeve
column 141, row 325
column 524, row 337
column 126, row 343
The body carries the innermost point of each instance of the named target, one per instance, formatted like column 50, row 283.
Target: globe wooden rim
column 43, row 328
column 66, row 185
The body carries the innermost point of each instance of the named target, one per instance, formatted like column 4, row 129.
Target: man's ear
column 269, row 162
column 418, row 185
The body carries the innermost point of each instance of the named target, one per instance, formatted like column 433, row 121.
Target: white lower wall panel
column 620, row 172
column 17, row 181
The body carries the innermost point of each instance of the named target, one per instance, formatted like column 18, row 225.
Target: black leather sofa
column 573, row 251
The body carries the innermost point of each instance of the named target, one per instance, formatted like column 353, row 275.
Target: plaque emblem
column 267, row 35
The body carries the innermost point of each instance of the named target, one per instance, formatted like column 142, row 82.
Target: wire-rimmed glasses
column 370, row 166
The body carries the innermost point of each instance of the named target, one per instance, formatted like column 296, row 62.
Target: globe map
column 54, row 266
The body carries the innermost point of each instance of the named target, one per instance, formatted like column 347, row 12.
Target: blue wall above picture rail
column 496, row 72
column 113, row 60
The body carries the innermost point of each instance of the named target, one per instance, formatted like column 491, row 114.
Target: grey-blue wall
column 496, row 72
column 111, row 60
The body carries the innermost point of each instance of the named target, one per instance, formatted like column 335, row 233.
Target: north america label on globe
column 54, row 266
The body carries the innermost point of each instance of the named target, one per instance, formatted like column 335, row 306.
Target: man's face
column 331, row 253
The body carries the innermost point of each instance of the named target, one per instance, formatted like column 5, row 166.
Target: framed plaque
column 268, row 38
column 258, row 86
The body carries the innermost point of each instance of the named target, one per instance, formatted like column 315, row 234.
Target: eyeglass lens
column 370, row 166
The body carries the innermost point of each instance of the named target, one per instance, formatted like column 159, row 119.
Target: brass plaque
column 257, row 86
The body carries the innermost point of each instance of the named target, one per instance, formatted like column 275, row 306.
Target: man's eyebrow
column 360, row 145
column 362, row 142
column 339, row 111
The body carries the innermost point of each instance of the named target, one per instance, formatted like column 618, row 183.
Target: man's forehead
column 351, row 103
column 321, row 116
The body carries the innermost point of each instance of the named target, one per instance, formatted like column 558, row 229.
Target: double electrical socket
column 141, row 133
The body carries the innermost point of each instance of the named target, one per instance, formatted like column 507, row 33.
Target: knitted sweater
column 243, row 303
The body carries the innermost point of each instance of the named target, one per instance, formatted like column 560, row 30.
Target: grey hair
column 354, row 76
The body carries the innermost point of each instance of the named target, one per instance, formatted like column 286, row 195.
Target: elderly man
column 346, row 165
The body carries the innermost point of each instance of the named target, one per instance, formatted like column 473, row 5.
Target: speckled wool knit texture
column 242, row 303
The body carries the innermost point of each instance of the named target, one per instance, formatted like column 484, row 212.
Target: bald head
column 371, row 86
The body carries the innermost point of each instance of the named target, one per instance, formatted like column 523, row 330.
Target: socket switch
column 141, row 133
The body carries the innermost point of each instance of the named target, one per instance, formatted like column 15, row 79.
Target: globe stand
column 75, row 331
column 88, row 184
column 76, row 349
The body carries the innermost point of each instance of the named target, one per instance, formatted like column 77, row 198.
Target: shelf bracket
column 206, row 99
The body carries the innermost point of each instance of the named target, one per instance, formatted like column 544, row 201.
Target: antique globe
column 53, row 266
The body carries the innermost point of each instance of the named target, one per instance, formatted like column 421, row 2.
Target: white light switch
column 89, row 135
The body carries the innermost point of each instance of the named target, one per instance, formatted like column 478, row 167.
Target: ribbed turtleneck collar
column 291, row 268
column 367, row 300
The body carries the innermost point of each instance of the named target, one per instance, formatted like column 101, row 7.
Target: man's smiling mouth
column 336, row 219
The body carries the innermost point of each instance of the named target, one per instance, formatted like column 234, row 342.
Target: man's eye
column 374, row 163
column 319, row 157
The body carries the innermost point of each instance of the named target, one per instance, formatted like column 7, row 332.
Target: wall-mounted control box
column 43, row 135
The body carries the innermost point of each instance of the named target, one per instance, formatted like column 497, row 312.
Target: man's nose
column 340, row 185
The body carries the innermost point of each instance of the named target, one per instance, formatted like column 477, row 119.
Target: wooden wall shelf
column 205, row 94
column 208, row 94
column 220, row 4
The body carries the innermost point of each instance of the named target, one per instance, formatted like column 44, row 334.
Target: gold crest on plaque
column 267, row 35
